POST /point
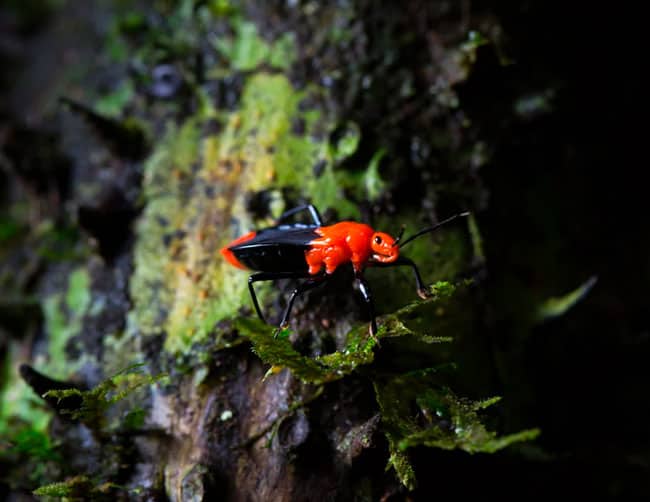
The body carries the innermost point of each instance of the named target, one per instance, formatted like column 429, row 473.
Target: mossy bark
column 236, row 112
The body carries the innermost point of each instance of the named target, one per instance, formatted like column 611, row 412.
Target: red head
column 384, row 248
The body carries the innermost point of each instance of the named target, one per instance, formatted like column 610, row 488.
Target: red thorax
column 348, row 241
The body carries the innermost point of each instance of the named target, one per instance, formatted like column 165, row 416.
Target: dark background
column 567, row 200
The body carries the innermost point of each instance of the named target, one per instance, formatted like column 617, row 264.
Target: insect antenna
column 399, row 236
column 431, row 229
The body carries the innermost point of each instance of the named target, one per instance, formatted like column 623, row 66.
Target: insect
column 313, row 252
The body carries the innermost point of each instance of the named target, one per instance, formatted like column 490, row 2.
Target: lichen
column 195, row 184
column 64, row 315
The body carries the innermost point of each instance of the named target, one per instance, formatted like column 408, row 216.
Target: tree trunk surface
column 138, row 140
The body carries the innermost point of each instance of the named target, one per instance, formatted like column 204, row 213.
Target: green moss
column 113, row 104
column 283, row 52
column 55, row 243
column 326, row 191
column 247, row 50
column 78, row 488
column 399, row 461
column 359, row 348
column 24, row 418
column 95, row 402
column 555, row 307
column 25, row 445
column 20, row 408
column 418, row 410
column 347, row 143
column 73, row 487
column 9, row 228
column 279, row 352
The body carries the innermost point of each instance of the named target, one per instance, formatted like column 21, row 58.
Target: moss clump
column 419, row 410
column 278, row 352
column 358, row 350
column 95, row 402
column 78, row 488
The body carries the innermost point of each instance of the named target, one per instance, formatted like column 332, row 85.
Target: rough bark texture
column 139, row 139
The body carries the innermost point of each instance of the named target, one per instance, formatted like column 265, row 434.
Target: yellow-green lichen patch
column 24, row 417
column 417, row 409
column 196, row 188
column 63, row 321
column 19, row 406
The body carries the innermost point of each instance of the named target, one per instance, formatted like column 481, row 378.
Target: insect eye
column 377, row 240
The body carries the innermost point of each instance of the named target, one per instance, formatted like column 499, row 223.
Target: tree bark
column 218, row 117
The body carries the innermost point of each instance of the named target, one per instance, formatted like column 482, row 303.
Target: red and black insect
column 313, row 252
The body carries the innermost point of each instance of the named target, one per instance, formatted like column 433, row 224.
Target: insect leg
column 367, row 296
column 402, row 261
column 267, row 276
column 315, row 216
column 301, row 288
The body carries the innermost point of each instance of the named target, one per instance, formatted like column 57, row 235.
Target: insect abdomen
column 272, row 257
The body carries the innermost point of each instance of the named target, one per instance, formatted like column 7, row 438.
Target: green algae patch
column 196, row 186
column 418, row 410
column 113, row 104
column 64, row 315
column 246, row 50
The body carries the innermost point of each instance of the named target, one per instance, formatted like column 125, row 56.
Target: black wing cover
column 277, row 249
